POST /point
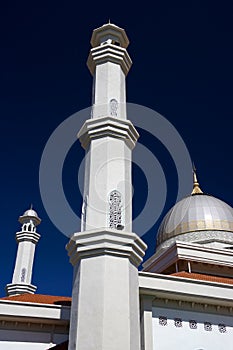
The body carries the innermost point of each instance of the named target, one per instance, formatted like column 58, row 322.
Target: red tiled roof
column 40, row 299
column 62, row 346
column 202, row 277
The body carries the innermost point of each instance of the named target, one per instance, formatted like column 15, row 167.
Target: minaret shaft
column 106, row 253
column 24, row 263
column 108, row 321
column 110, row 161
column 108, row 137
column 109, row 91
column 27, row 239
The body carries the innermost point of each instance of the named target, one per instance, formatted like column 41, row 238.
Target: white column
column 108, row 146
column 108, row 137
column 109, row 98
column 105, row 297
column 106, row 253
column 27, row 239
column 109, row 63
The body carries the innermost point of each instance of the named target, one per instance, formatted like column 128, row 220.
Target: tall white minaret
column 106, row 253
column 108, row 136
column 27, row 239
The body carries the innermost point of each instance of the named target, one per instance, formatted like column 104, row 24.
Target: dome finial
column 196, row 186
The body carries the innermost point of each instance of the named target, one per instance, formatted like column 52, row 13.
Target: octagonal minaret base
column 105, row 298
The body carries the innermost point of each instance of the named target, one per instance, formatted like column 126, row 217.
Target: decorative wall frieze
column 192, row 306
column 193, row 324
column 34, row 326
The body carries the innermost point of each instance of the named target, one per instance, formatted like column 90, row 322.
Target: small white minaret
column 106, row 253
column 27, row 239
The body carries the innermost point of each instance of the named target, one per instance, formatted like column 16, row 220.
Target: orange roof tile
column 202, row 277
column 40, row 299
column 62, row 346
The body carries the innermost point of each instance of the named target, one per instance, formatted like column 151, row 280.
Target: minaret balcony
column 20, row 288
column 106, row 241
column 109, row 53
column 27, row 236
column 108, row 127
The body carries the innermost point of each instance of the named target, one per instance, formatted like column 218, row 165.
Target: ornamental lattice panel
column 115, row 209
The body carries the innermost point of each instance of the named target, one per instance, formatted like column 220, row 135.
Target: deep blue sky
column 182, row 56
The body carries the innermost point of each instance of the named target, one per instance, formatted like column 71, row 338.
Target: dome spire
column 196, row 186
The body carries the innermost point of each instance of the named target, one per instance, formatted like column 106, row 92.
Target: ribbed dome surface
column 30, row 212
column 196, row 213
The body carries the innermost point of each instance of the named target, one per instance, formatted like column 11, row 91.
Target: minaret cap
column 30, row 214
column 196, row 186
column 112, row 32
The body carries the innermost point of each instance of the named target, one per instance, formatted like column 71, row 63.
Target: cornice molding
column 20, row 288
column 27, row 236
column 109, row 53
column 108, row 127
column 106, row 242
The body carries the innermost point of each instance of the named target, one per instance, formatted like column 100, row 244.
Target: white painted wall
column 184, row 338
